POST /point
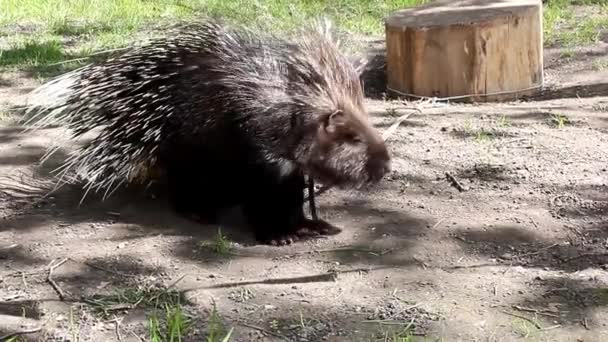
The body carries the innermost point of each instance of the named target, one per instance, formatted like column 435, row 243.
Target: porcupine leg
column 280, row 220
column 194, row 190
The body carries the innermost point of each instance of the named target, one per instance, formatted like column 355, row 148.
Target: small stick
column 391, row 130
column 552, row 327
column 584, row 255
column 19, row 333
column 136, row 336
column 117, row 325
column 177, row 281
column 538, row 326
column 107, row 270
column 585, row 324
column 438, row 223
column 311, row 199
column 255, row 327
column 49, row 278
column 521, row 308
column 540, row 250
column 23, row 280
column 455, row 182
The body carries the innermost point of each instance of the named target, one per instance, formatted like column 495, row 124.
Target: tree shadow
column 514, row 245
column 554, row 58
column 567, row 301
column 139, row 212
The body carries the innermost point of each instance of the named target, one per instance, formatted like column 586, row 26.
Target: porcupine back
column 184, row 87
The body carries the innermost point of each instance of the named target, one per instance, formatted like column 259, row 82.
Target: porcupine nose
column 379, row 163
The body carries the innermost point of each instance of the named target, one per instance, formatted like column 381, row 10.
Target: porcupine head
column 343, row 149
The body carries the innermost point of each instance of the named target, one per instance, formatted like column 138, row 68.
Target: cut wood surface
column 471, row 50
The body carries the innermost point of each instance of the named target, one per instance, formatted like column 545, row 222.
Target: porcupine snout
column 379, row 160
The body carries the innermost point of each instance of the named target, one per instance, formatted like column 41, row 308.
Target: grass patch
column 559, row 121
column 95, row 25
column 220, row 244
column 570, row 23
column 96, row 16
column 600, row 64
column 131, row 298
column 216, row 331
column 176, row 325
column 468, row 130
column 51, row 31
column 503, row 121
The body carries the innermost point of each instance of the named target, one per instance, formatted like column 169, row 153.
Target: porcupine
column 229, row 116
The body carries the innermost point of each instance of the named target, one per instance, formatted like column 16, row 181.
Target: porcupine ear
column 335, row 120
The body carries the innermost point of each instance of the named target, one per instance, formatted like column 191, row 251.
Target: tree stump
column 476, row 50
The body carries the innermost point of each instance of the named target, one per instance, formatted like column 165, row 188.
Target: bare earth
column 520, row 254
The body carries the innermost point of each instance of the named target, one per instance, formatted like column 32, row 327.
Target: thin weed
column 74, row 329
column 131, row 298
column 559, row 121
column 16, row 339
column 216, row 328
column 220, row 244
column 503, row 122
column 176, row 325
column 600, row 64
column 566, row 54
column 483, row 135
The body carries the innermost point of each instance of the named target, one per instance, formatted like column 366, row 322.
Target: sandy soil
column 520, row 254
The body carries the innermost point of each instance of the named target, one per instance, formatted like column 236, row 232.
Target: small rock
column 506, row 256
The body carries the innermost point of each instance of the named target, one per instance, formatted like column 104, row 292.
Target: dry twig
column 255, row 327
column 455, row 182
column 49, row 278
column 538, row 326
column 19, row 333
column 521, row 308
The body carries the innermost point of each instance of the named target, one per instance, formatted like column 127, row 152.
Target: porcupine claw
column 317, row 227
column 308, row 230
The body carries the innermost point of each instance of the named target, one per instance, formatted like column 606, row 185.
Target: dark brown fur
column 237, row 123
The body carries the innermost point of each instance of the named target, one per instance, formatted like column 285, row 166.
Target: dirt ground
column 521, row 253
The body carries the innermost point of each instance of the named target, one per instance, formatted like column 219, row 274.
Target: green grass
column 39, row 35
column 559, row 121
column 220, row 244
column 36, row 33
column 600, row 64
column 130, row 298
column 564, row 28
column 176, row 325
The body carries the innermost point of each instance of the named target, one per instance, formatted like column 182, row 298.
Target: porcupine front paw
column 307, row 230
column 279, row 240
column 311, row 228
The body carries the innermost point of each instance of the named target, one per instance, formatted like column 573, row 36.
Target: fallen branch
column 255, row 327
column 49, row 278
column 391, row 130
column 20, row 333
column 540, row 250
column 538, row 312
column 13, row 326
column 538, row 326
column 455, row 182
